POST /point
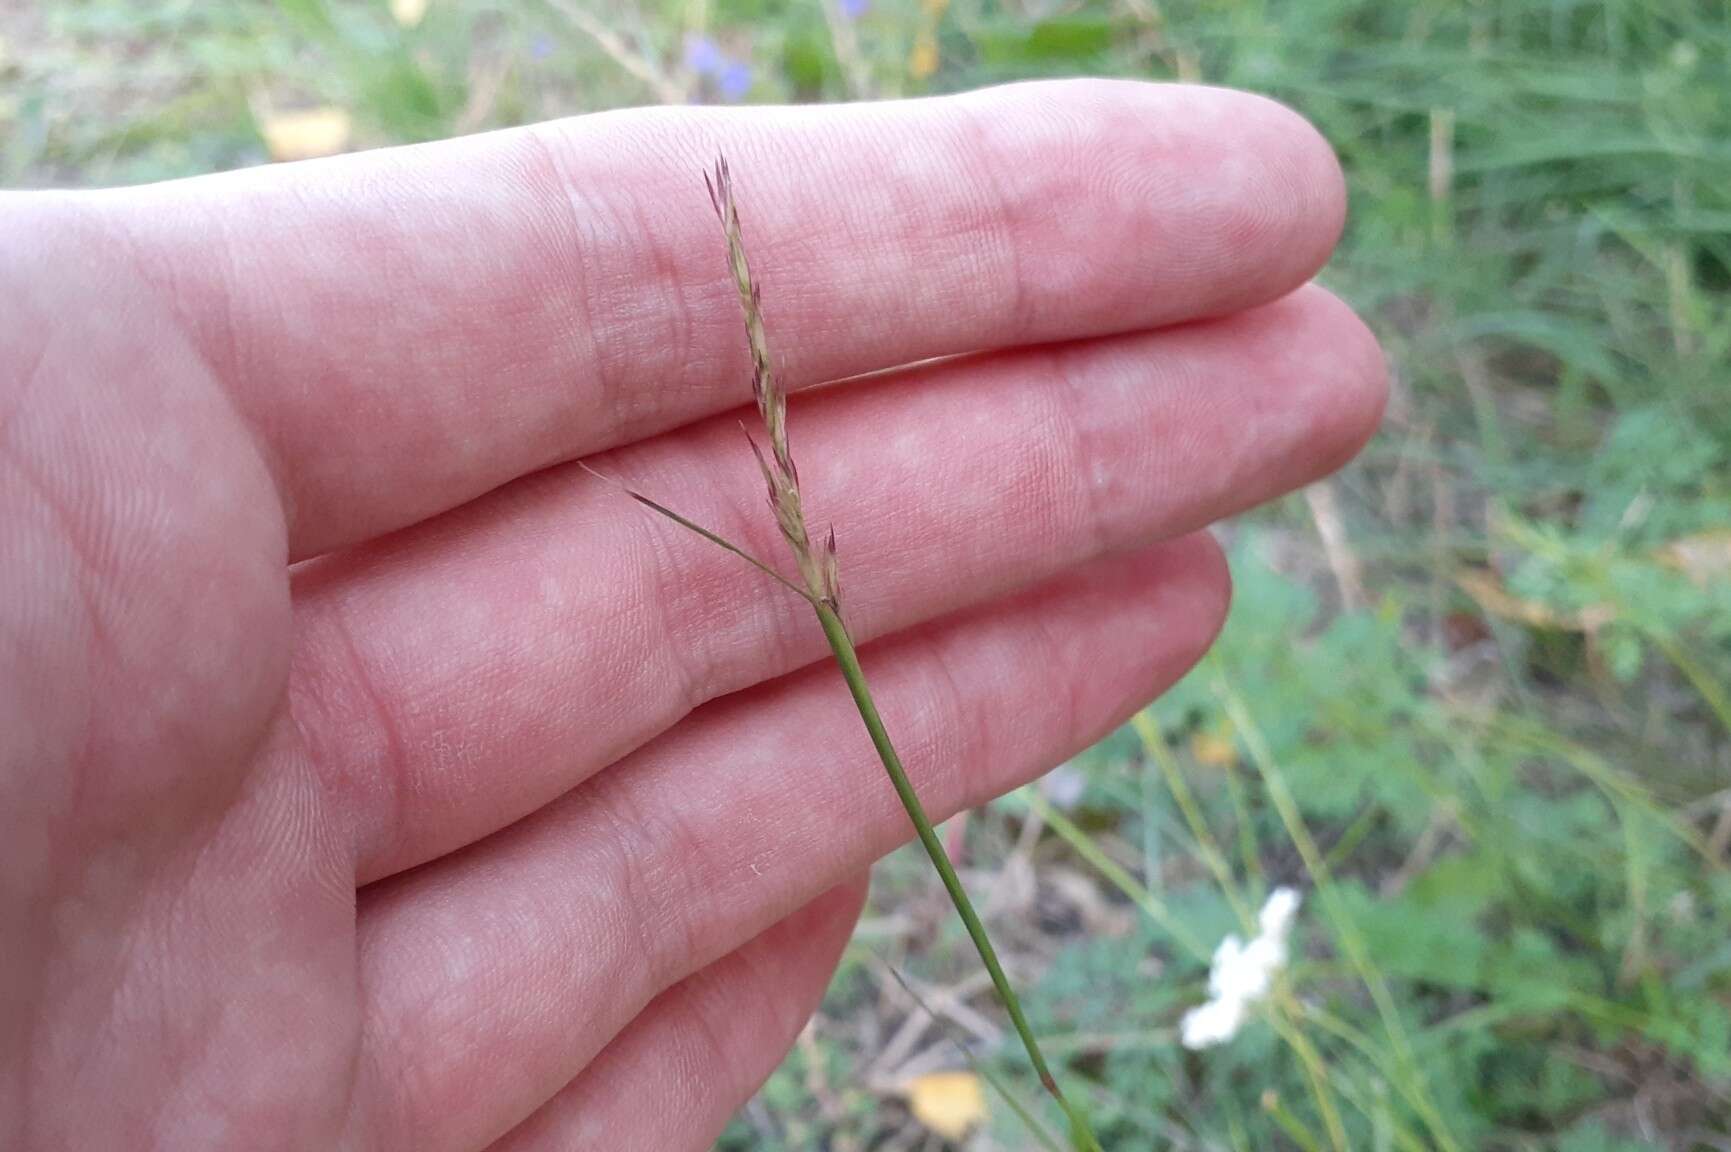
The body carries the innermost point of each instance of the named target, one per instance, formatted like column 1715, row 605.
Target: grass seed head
column 780, row 475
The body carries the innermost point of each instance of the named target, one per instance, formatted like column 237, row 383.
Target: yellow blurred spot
column 1213, row 749
column 408, row 13
column 951, row 1104
column 305, row 134
column 923, row 61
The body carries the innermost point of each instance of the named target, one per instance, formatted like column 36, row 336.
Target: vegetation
column 1474, row 700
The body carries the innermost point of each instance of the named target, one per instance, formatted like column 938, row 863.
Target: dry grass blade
column 715, row 538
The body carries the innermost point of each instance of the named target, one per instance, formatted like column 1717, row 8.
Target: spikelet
column 780, row 475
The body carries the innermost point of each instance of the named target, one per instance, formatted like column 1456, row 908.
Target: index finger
column 408, row 329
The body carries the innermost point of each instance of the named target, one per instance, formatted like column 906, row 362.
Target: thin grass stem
column 1284, row 1019
column 1294, row 1128
column 1712, row 692
column 819, row 571
column 1028, row 1119
column 1154, row 747
column 1139, row 894
column 1286, row 1026
column 1617, row 785
column 847, row 657
column 1358, row 954
column 1283, row 1014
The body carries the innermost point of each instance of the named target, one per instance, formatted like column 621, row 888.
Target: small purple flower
column 854, row 9
column 541, row 47
column 731, row 78
column 702, row 56
column 733, row 81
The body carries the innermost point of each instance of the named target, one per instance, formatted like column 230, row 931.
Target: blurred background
column 1474, row 700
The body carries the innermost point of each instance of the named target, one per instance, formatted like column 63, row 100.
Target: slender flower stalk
column 820, row 576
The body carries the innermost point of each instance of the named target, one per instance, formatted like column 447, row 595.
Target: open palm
column 372, row 777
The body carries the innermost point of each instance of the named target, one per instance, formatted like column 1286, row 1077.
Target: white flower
column 1241, row 974
column 1214, row 1023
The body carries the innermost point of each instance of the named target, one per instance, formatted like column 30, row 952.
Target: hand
column 371, row 777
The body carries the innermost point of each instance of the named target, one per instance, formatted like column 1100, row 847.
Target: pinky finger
column 678, row 1072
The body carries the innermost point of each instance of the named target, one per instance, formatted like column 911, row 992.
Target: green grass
column 1501, row 780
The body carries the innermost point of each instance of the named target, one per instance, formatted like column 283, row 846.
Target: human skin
column 373, row 777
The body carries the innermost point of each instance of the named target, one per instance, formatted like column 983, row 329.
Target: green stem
column 1697, row 675
column 1028, row 1119
column 846, row 656
column 1138, row 893
column 1352, row 942
column 1154, row 746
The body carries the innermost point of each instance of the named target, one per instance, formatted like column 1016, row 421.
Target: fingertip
column 1239, row 196
column 1354, row 385
column 1259, row 174
column 1187, row 594
column 1151, row 612
column 1291, row 200
column 1313, row 391
column 1213, row 589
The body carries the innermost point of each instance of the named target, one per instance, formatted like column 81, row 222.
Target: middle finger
column 457, row 676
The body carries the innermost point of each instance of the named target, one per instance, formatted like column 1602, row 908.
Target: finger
column 410, row 328
column 465, row 673
column 500, row 972
column 680, row 1070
